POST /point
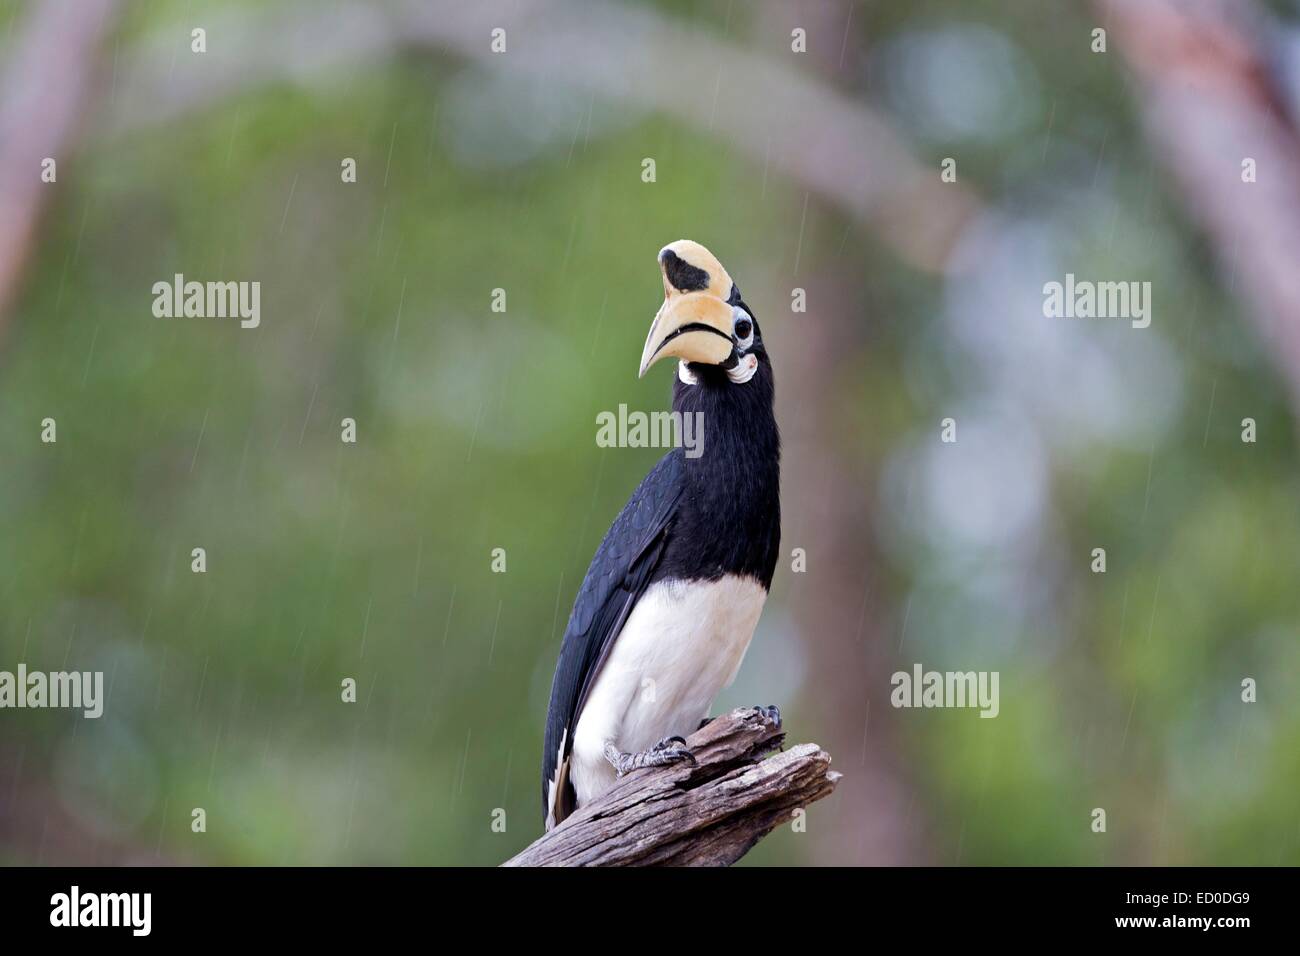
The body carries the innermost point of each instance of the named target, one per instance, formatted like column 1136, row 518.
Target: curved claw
column 682, row 754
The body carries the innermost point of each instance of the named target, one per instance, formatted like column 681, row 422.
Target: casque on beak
column 695, row 321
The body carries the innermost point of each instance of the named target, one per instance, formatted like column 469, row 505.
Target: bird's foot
column 770, row 712
column 668, row 751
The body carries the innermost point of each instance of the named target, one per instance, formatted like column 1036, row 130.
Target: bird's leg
column 669, row 750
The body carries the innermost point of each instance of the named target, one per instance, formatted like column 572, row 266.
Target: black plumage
column 690, row 519
column 620, row 572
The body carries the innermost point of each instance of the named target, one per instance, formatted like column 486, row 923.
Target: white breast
column 681, row 645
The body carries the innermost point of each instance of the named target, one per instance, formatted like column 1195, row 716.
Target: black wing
column 615, row 581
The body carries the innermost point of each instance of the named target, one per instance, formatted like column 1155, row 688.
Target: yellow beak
column 694, row 326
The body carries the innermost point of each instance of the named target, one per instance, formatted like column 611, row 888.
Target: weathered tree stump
column 740, row 788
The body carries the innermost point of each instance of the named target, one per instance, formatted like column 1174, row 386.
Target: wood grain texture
column 740, row 788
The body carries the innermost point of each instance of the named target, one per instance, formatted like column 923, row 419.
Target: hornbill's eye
column 742, row 327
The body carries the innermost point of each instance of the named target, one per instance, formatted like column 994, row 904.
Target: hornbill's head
column 703, row 321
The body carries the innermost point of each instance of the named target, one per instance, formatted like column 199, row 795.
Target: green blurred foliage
column 476, row 431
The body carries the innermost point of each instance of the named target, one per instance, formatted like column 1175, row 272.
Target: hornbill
column 670, row 602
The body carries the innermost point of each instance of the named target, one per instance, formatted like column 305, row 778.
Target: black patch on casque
column 683, row 276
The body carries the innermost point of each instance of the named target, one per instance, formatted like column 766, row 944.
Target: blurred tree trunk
column 44, row 90
column 1211, row 101
column 874, row 818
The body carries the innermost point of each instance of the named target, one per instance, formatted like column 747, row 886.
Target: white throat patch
column 744, row 369
column 741, row 374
